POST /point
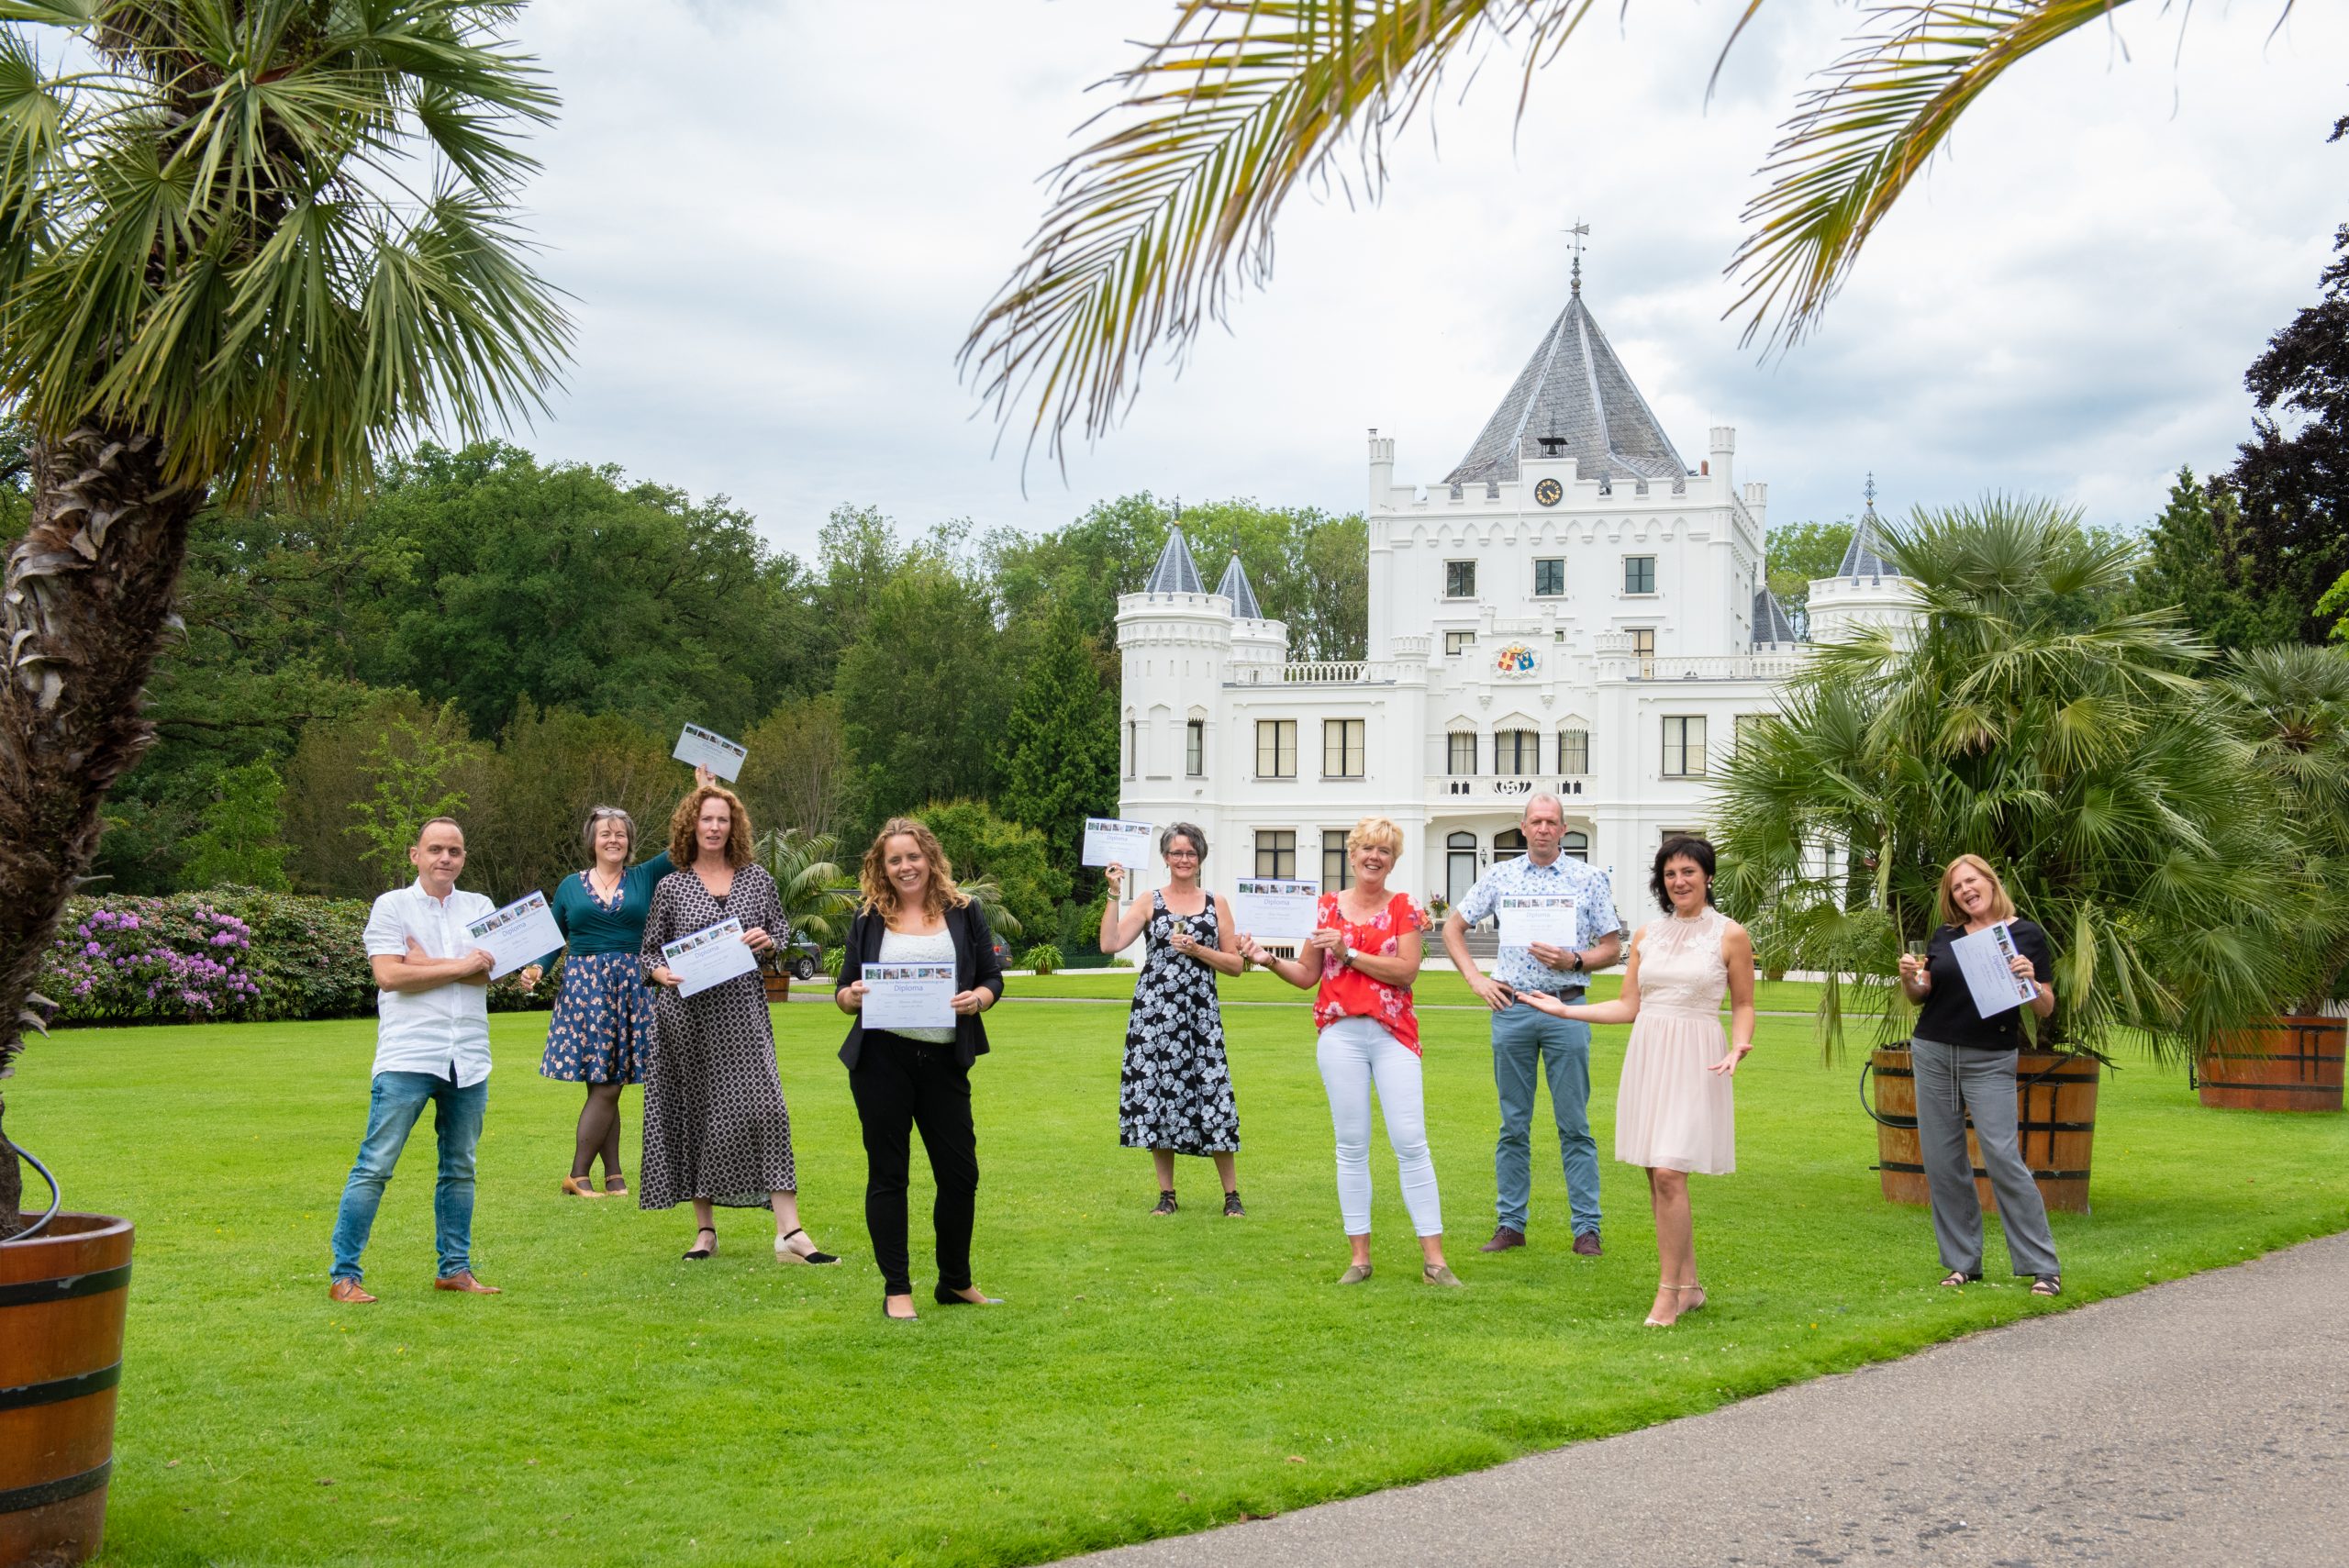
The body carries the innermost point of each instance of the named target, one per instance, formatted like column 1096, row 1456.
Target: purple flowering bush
column 231, row 952
column 149, row 960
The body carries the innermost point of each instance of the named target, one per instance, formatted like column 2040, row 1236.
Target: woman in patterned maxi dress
column 715, row 1128
column 1175, row 1093
column 1673, row 1114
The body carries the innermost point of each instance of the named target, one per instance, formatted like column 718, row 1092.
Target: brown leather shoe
column 1503, row 1239
column 465, row 1281
column 1587, row 1244
column 348, row 1292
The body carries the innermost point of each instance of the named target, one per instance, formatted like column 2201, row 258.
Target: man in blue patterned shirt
column 1525, row 1038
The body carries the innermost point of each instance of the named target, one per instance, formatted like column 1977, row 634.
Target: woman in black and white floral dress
column 1174, row 1093
column 715, row 1128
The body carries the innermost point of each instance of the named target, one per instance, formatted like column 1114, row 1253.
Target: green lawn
column 1436, row 988
column 1148, row 1376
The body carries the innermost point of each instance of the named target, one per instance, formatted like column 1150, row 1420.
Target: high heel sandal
column 783, row 1254
column 577, row 1186
column 1701, row 1299
column 698, row 1251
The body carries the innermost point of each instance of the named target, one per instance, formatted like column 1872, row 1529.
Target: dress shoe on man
column 465, row 1281
column 1586, row 1243
column 347, row 1291
column 1503, row 1239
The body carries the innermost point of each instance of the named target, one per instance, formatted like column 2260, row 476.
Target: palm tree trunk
column 88, row 600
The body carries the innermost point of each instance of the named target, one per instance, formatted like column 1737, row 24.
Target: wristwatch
column 1577, row 957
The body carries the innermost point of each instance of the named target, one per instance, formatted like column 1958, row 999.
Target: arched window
column 1575, row 844
column 1459, row 865
column 1508, row 842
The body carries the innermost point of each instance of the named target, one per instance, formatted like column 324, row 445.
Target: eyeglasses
column 1181, row 854
column 597, row 814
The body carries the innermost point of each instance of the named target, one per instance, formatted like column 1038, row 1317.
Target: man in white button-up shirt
column 432, row 1046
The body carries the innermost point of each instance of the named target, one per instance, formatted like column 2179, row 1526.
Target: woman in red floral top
column 1360, row 962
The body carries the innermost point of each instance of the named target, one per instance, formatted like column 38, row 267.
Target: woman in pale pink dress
column 1674, row 1113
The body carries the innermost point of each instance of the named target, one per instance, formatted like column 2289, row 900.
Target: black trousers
column 901, row 1085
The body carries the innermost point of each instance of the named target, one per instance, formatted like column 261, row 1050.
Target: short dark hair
column 1675, row 848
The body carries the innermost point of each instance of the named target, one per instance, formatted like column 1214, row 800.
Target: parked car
column 804, row 956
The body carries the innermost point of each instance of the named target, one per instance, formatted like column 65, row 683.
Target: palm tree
column 2291, row 705
column 2082, row 752
column 244, row 244
column 806, row 867
column 1153, row 223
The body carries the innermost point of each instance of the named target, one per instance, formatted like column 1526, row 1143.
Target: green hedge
column 233, row 952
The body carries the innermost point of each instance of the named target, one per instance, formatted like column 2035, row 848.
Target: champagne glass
column 1915, row 949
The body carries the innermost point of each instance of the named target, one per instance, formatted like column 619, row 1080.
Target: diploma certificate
column 1982, row 958
column 908, row 996
column 1530, row 917
column 708, row 748
column 521, row 933
column 711, row 956
column 1110, row 842
column 1275, row 911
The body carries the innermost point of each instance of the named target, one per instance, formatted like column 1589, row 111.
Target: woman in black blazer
column 919, row 1078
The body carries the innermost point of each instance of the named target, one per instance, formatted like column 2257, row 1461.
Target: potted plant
column 2291, row 706
column 2080, row 751
column 206, row 336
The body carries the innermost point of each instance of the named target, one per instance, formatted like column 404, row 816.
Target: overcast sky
column 780, row 218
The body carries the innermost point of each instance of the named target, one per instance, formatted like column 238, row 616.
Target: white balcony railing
column 1317, row 673
column 1711, row 667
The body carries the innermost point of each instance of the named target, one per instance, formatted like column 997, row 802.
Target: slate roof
column 1865, row 557
column 1235, row 587
column 1175, row 572
column 1575, row 387
column 1770, row 620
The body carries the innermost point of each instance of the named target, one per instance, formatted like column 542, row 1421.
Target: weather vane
column 1581, row 231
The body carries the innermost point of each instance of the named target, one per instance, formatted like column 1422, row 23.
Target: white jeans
column 1353, row 1054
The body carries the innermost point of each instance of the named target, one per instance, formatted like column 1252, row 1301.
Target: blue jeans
column 1523, row 1040
column 397, row 1099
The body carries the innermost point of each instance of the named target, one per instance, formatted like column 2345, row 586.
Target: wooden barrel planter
column 62, row 1295
column 2288, row 1063
column 778, row 984
column 2055, row 1123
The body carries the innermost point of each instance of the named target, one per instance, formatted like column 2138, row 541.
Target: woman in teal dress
column 602, row 1028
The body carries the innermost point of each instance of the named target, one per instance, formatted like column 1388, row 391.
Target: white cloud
column 780, row 219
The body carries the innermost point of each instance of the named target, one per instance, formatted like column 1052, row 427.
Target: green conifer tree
column 1059, row 759
column 2195, row 559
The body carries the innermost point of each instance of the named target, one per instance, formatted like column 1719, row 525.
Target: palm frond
column 1859, row 140
column 1152, row 224
column 232, row 249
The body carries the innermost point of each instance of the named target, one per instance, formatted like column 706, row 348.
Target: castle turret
column 1868, row 589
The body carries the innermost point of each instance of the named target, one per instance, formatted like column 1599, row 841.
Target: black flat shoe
column 698, row 1251
column 783, row 1254
column 945, row 1297
column 908, row 1318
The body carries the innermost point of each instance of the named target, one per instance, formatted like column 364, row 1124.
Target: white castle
column 1573, row 609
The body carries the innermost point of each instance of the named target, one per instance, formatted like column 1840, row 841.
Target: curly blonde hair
column 682, row 846
column 872, row 875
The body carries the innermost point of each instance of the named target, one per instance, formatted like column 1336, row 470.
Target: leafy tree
column 2293, row 475
column 921, row 692
column 798, row 774
column 411, row 772
column 563, row 585
column 1796, row 555
column 1239, row 104
column 237, row 843
column 1059, row 743
column 529, row 799
column 2195, row 559
column 222, row 274
column 984, row 847
column 2291, row 706
column 2080, row 753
